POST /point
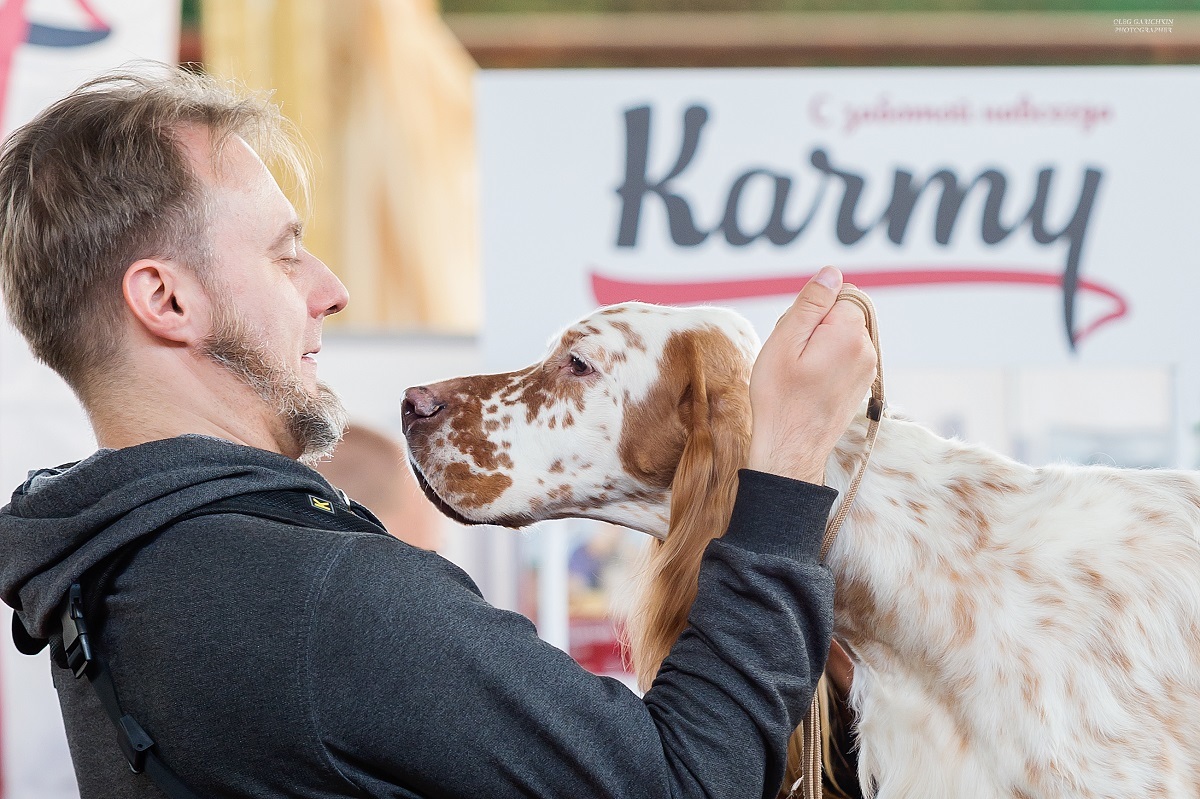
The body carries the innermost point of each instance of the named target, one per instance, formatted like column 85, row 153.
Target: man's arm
column 416, row 682
column 761, row 625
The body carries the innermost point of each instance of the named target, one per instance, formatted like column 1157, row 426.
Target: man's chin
column 308, row 376
column 311, row 415
column 318, row 425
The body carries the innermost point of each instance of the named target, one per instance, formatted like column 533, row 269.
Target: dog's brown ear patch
column 655, row 428
column 652, row 433
column 691, row 432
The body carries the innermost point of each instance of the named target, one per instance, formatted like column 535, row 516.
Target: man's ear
column 167, row 299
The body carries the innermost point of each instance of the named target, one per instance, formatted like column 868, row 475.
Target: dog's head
column 639, row 415
column 596, row 429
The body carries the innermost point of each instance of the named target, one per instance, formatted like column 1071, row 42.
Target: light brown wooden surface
column 382, row 93
column 820, row 38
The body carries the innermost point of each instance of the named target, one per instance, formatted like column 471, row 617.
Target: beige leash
column 810, row 778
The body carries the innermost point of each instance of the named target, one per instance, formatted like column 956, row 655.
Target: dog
column 1016, row 631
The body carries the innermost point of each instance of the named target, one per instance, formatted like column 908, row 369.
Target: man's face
column 269, row 298
column 312, row 419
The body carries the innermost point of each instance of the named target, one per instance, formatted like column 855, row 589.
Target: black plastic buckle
column 135, row 743
column 874, row 409
column 76, row 642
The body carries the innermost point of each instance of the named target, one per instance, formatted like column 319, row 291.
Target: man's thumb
column 813, row 302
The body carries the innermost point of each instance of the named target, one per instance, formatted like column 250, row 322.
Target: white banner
column 996, row 216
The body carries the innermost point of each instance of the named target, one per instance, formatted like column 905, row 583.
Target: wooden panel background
column 382, row 92
column 764, row 38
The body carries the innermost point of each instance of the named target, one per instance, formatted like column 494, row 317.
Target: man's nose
column 330, row 295
column 419, row 403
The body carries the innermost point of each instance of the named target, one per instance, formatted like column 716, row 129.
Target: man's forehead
column 247, row 201
column 227, row 162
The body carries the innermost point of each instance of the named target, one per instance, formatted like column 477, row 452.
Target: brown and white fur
column 1016, row 631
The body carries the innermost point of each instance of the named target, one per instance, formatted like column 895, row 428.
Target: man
column 150, row 258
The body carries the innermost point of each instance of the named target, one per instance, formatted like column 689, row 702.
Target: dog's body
column 1017, row 632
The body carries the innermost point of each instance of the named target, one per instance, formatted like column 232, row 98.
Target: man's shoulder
column 262, row 548
column 261, row 579
column 377, row 564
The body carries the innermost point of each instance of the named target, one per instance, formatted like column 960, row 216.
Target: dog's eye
column 580, row 367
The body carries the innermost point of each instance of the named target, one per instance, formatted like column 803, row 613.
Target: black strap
column 136, row 744
column 77, row 648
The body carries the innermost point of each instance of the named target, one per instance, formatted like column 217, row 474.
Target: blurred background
column 468, row 152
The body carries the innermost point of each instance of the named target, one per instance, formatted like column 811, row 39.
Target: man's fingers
column 846, row 311
column 813, row 302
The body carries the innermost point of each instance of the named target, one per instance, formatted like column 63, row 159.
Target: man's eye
column 580, row 367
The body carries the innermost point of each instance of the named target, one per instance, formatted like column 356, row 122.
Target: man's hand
column 809, row 380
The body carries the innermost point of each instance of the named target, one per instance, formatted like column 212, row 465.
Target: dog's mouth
column 449, row 511
column 442, row 505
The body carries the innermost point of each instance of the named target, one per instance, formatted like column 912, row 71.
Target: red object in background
column 608, row 291
column 14, row 27
column 1, row 733
column 16, row 30
column 595, row 644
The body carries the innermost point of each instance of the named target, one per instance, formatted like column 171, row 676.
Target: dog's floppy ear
column 714, row 410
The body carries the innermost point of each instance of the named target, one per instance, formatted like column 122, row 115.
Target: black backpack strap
column 77, row 648
column 84, row 659
column 299, row 508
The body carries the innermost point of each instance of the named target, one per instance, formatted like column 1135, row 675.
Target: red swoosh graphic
column 96, row 20
column 609, row 290
column 13, row 30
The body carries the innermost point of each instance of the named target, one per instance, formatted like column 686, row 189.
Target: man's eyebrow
column 293, row 231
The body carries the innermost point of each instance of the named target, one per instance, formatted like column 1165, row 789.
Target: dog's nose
column 419, row 403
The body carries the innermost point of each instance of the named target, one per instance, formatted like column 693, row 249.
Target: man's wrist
column 805, row 474
column 808, row 470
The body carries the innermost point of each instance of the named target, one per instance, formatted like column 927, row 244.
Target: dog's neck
column 648, row 512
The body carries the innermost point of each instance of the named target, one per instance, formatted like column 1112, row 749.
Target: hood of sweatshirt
column 62, row 521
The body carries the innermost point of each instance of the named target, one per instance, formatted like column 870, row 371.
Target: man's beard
column 315, row 422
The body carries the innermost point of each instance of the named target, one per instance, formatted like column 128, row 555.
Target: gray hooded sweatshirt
column 277, row 660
